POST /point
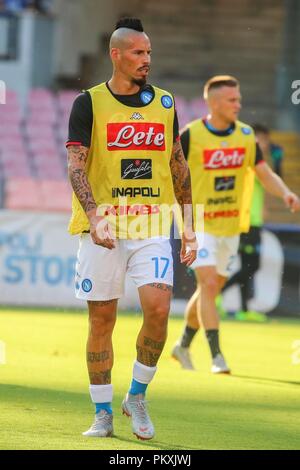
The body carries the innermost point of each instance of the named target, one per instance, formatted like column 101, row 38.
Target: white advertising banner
column 37, row 262
column 37, row 259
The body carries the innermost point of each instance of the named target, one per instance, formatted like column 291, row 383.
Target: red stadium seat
column 22, row 193
column 10, row 116
column 39, row 130
column 12, row 99
column 46, row 116
column 66, row 99
column 56, row 195
column 198, row 108
column 43, row 146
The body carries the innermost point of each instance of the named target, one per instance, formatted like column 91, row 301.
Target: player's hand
column 292, row 201
column 189, row 247
column 101, row 232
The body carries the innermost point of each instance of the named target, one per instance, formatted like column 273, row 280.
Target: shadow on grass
column 195, row 423
column 37, row 400
column 264, row 379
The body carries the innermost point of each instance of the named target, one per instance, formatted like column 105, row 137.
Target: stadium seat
column 65, row 99
column 47, row 116
column 39, row 130
column 40, row 98
column 12, row 99
column 12, row 143
column 11, row 130
column 197, row 108
column 22, row 193
column 56, row 195
column 42, row 145
column 10, row 116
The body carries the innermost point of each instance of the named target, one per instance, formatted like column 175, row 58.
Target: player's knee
column 157, row 318
column 210, row 286
column 101, row 325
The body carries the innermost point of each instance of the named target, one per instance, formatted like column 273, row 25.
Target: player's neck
column 218, row 123
column 121, row 86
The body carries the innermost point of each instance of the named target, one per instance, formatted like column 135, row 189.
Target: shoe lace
column 103, row 418
column 140, row 410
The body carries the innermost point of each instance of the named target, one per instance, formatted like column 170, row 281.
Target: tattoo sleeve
column 164, row 287
column 100, row 378
column 101, row 356
column 182, row 183
column 77, row 158
column 147, row 356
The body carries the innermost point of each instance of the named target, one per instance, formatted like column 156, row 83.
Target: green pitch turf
column 44, row 401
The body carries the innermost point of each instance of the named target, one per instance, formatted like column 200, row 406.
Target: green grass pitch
column 44, row 400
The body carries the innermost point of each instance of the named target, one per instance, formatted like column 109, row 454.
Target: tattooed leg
column 99, row 350
column 155, row 300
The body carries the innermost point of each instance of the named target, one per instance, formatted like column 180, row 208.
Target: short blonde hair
column 217, row 82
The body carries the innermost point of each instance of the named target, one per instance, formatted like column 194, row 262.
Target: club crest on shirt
column 246, row 130
column 167, row 101
column 146, row 97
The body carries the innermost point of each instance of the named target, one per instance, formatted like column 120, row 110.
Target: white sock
column 101, row 393
column 143, row 374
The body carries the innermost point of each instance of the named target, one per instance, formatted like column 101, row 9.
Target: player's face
column 228, row 103
column 134, row 59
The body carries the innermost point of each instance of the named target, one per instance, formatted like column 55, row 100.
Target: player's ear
column 114, row 53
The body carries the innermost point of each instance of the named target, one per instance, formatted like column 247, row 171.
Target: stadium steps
column 275, row 209
column 201, row 39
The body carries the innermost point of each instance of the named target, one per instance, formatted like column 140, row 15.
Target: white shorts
column 216, row 251
column 100, row 273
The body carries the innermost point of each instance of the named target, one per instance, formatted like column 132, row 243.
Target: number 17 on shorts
column 160, row 267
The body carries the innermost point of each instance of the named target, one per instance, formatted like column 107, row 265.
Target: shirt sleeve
column 81, row 121
column 175, row 128
column 185, row 142
column 259, row 155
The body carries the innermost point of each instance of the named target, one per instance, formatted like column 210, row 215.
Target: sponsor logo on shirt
column 137, row 116
column 133, row 192
column 221, row 200
column 135, row 136
column 132, row 169
column 225, row 158
column 224, row 183
column 135, row 209
column 221, row 214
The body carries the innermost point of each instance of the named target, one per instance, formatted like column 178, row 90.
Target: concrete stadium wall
column 81, row 24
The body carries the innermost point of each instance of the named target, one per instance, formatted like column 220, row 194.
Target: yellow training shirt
column 128, row 164
column 222, row 176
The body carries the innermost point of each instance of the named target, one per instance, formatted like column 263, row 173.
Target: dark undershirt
column 81, row 117
column 185, row 141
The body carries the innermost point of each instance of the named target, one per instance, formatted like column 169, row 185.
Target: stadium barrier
column 38, row 257
column 276, row 283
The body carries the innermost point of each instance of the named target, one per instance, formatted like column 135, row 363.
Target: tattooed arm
column 99, row 228
column 183, row 193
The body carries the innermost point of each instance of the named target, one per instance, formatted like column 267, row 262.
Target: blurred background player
column 250, row 242
column 222, row 153
column 117, row 129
